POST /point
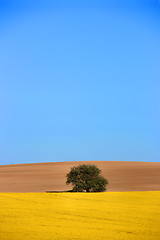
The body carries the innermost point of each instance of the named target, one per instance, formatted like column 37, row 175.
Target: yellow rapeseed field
column 79, row 216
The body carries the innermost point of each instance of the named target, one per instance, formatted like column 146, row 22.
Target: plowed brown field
column 40, row 177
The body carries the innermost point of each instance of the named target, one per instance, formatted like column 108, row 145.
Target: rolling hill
column 41, row 177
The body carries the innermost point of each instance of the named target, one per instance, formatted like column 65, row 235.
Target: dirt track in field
column 40, row 177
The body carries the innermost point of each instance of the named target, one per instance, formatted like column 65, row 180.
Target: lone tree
column 87, row 178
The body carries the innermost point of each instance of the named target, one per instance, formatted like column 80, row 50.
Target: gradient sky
column 79, row 80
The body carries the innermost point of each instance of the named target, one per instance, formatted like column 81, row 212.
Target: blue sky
column 79, row 80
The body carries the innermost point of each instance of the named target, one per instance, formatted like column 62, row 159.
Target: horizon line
column 64, row 161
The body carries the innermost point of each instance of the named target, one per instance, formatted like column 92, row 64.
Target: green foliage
column 87, row 178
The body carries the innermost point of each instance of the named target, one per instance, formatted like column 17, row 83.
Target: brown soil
column 41, row 177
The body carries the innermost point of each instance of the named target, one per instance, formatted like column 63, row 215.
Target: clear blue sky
column 79, row 80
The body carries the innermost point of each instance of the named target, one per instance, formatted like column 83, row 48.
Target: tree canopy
column 86, row 177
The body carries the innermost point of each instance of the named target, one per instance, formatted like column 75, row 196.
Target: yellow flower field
column 64, row 216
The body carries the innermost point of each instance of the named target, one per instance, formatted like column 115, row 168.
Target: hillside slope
column 40, row 177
